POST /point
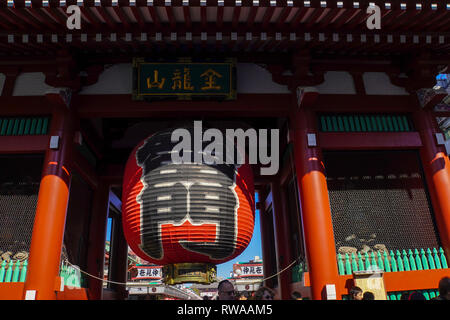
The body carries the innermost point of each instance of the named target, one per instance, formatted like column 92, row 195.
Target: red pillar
column 97, row 238
column 282, row 241
column 266, row 236
column 11, row 74
column 315, row 205
column 50, row 218
column 119, row 260
column 437, row 171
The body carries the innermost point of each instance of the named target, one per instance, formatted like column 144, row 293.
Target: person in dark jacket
column 444, row 289
column 404, row 296
column 416, row 295
column 368, row 296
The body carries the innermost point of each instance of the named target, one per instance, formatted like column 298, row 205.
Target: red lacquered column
column 50, row 218
column 437, row 171
column 315, row 204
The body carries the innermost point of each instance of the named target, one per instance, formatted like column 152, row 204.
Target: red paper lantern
column 185, row 213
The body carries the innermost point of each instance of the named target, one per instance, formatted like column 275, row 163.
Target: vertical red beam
column 265, row 245
column 219, row 19
column 282, row 242
column 119, row 259
column 97, row 238
column 437, row 171
column 316, row 212
column 50, row 218
column 10, row 81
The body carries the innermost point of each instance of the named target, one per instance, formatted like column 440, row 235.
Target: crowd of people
column 356, row 293
column 226, row 291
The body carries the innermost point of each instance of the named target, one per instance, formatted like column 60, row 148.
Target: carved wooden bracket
column 68, row 73
column 64, row 72
column 416, row 72
column 298, row 74
column 428, row 97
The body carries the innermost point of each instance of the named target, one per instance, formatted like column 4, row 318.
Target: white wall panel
column 378, row 83
column 116, row 79
column 337, row 82
column 30, row 84
column 252, row 78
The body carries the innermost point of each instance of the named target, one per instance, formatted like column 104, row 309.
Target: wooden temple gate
column 311, row 69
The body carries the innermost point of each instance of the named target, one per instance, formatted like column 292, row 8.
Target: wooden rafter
column 156, row 20
column 257, row 44
column 359, row 18
column 138, row 16
column 420, row 18
column 281, row 21
column 10, row 49
column 327, row 18
column 312, row 19
column 14, row 22
column 444, row 21
column 106, row 16
column 203, row 18
column 171, row 17
column 122, row 17
column 187, row 17
column 266, row 18
column 236, row 14
column 91, row 18
column 392, row 15
column 251, row 17
column 28, row 19
column 298, row 17
column 55, row 14
column 343, row 18
column 43, row 18
column 401, row 22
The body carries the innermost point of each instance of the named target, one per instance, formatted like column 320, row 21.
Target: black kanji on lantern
column 176, row 193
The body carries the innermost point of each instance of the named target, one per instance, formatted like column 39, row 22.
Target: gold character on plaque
column 155, row 83
column 187, row 80
column 176, row 80
column 182, row 82
column 211, row 77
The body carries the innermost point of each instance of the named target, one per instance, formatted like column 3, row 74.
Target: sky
column 253, row 249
